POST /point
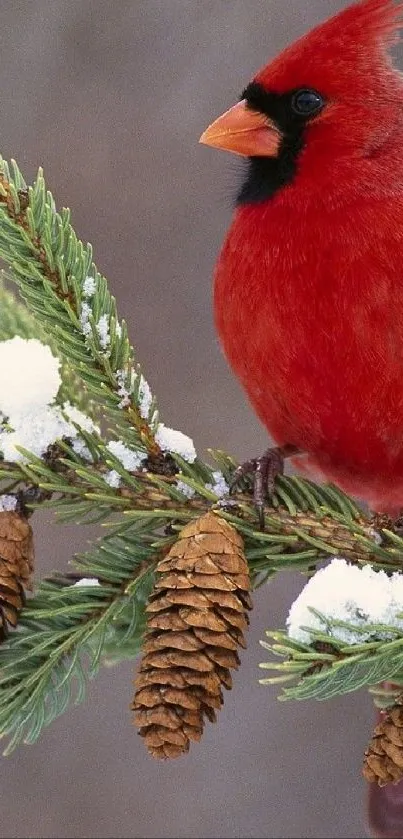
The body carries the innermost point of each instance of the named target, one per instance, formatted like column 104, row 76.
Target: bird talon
column 265, row 470
column 246, row 468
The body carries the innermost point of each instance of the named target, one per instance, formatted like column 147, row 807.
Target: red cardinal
column 309, row 284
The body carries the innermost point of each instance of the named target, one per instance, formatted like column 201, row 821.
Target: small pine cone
column 16, row 566
column 196, row 617
column 383, row 761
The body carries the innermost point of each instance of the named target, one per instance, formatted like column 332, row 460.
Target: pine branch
column 329, row 668
column 50, row 266
column 63, row 631
column 16, row 319
column 66, row 631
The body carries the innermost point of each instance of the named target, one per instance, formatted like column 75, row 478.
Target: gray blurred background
column 111, row 98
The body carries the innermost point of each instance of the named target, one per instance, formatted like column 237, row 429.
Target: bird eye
column 305, row 103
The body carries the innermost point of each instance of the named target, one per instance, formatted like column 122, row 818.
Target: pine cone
column 16, row 566
column 383, row 762
column 196, row 617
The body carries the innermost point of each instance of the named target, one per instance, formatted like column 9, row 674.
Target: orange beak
column 243, row 131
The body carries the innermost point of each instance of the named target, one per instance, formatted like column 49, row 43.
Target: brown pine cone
column 383, row 762
column 16, row 566
column 196, row 617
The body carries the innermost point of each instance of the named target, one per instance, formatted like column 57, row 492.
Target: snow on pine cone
column 197, row 614
column 16, row 566
column 383, row 761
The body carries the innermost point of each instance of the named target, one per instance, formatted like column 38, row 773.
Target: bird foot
column 264, row 470
column 383, row 521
